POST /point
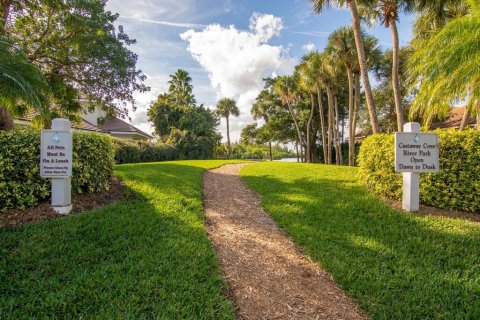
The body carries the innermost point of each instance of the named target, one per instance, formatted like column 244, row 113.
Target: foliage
column 395, row 265
column 146, row 257
column 20, row 182
column 254, row 151
column 383, row 93
column 22, row 85
column 180, row 89
column 80, row 52
column 455, row 48
column 93, row 160
column 134, row 151
column 182, row 124
column 227, row 107
column 455, row 186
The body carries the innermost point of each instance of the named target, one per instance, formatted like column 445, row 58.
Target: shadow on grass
column 147, row 257
column 396, row 265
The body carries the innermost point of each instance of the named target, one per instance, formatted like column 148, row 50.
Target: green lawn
column 396, row 265
column 148, row 258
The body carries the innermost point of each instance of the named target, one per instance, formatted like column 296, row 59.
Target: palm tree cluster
column 330, row 92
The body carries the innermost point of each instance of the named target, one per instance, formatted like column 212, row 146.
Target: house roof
column 453, row 119
column 112, row 125
column 83, row 125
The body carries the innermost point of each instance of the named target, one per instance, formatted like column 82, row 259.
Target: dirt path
column 267, row 276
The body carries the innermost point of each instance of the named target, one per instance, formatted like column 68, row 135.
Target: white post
column 411, row 180
column 62, row 187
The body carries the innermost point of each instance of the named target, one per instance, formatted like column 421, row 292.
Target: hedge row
column 20, row 182
column 132, row 151
column 455, row 186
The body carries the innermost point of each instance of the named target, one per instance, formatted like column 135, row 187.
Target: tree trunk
column 395, row 81
column 229, row 151
column 465, row 118
column 330, row 125
column 356, row 106
column 322, row 124
column 270, row 149
column 352, row 4
column 4, row 13
column 338, row 147
column 309, row 124
column 296, row 148
column 294, row 118
column 351, row 129
column 6, row 119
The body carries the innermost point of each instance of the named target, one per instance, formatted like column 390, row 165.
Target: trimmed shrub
column 132, row 151
column 93, row 161
column 455, row 186
column 20, row 182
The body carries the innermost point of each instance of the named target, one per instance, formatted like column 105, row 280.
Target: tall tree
column 319, row 6
column 286, row 88
column 264, row 104
column 456, row 49
column 383, row 93
column 307, row 81
column 387, row 11
column 321, row 77
column 79, row 51
column 227, row 107
column 181, row 89
column 341, row 47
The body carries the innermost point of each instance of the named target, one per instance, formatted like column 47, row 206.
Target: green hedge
column 132, row 151
column 20, row 182
column 455, row 186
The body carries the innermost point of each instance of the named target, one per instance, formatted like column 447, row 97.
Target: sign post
column 56, row 163
column 415, row 153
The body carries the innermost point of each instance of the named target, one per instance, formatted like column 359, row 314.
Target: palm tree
column 286, row 88
column 321, row 77
column 227, row 107
column 388, row 11
column 22, row 85
column 318, row 6
column 264, row 104
column 181, row 88
column 434, row 15
column 341, row 47
column 455, row 49
column 307, row 80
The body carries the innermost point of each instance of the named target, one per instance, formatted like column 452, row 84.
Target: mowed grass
column 395, row 265
column 140, row 259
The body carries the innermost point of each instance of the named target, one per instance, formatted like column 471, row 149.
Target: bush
column 455, row 186
column 93, row 161
column 20, row 182
column 132, row 151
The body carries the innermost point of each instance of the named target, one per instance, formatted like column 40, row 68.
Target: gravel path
column 267, row 276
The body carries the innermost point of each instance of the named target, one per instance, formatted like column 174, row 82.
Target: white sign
column 56, row 154
column 416, row 152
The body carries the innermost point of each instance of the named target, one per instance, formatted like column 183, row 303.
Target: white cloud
column 265, row 26
column 309, row 47
column 237, row 60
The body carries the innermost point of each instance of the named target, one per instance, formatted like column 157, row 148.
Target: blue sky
column 227, row 46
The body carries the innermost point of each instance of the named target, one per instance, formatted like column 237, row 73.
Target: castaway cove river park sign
column 415, row 153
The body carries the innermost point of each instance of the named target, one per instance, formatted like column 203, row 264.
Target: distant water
column 287, row 160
